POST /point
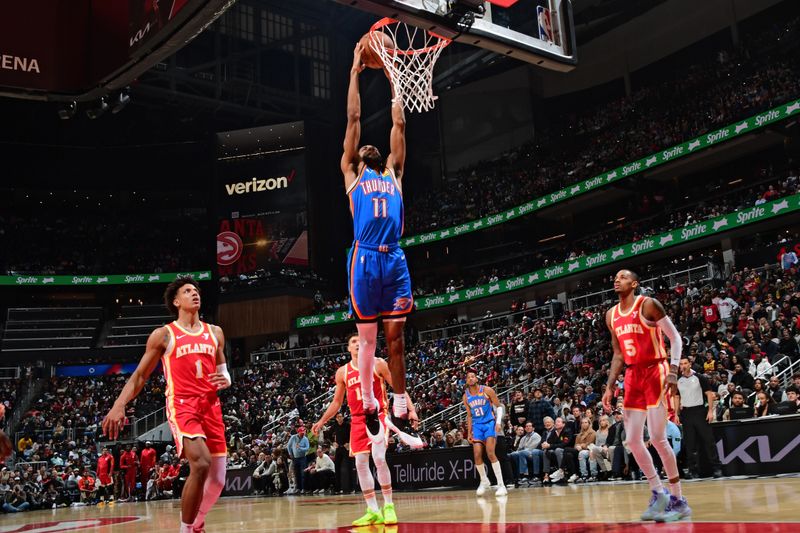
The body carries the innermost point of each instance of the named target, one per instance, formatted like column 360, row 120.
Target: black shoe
column 372, row 422
column 717, row 473
column 407, row 434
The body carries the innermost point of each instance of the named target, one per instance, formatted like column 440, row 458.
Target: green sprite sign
column 102, row 279
column 675, row 237
column 646, row 163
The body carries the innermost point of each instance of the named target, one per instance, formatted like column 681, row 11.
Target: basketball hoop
column 410, row 62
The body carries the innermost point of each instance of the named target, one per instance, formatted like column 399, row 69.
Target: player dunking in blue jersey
column 484, row 423
column 379, row 283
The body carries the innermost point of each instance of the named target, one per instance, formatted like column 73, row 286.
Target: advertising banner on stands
column 238, row 481
column 760, row 446
column 644, row 164
column 101, row 279
column 616, row 254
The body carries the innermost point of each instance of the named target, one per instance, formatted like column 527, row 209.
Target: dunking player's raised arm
column 154, row 350
column 397, row 138
column 352, row 134
column 616, row 364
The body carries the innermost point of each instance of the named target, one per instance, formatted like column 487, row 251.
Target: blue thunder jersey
column 376, row 204
column 480, row 407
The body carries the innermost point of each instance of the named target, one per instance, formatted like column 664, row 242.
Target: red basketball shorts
column 645, row 384
column 197, row 416
column 359, row 440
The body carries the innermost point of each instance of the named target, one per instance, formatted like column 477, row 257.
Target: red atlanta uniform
column 642, row 344
column 359, row 440
column 105, row 465
column 193, row 408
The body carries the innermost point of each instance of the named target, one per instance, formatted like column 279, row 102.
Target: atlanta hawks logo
column 229, row 248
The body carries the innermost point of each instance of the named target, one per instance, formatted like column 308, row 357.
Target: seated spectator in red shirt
column 87, row 487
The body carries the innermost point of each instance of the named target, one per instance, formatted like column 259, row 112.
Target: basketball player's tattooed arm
column 616, row 365
column 336, row 403
column 397, row 138
column 352, row 134
column 221, row 378
column 495, row 401
column 382, row 368
column 156, row 344
column 469, row 420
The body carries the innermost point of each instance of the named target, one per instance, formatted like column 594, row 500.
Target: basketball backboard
column 539, row 32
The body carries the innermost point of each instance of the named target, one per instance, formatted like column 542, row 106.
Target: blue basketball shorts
column 482, row 431
column 380, row 286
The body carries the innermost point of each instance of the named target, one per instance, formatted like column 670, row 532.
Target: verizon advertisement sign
column 756, row 447
column 261, row 199
column 260, row 185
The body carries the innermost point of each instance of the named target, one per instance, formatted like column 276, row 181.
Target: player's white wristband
column 223, row 369
column 675, row 340
column 498, row 413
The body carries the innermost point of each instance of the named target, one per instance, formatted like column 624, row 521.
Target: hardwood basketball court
column 730, row 505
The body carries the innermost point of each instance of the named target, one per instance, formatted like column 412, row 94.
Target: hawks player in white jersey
column 193, row 358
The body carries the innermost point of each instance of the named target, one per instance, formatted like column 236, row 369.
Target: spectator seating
column 51, row 328
column 134, row 324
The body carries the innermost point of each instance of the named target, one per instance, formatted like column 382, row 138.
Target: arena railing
column 23, row 465
column 296, row 354
column 148, row 422
column 542, row 311
column 784, row 375
column 690, row 275
column 44, row 435
column 326, row 396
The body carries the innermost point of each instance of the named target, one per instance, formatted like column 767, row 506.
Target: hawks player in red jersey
column 638, row 325
column 105, row 479
column 348, row 380
column 193, row 359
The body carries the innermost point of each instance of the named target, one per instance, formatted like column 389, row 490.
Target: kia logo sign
column 229, row 248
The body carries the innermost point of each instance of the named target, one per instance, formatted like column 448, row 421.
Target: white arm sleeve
column 498, row 414
column 675, row 340
column 223, row 369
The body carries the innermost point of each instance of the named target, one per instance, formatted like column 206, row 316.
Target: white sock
column 498, row 473
column 400, row 406
column 186, row 528
column 386, row 490
column 482, row 473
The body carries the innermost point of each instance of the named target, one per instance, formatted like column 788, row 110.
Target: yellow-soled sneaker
column 371, row 518
column 389, row 516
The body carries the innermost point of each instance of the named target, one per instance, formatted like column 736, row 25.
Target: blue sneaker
column 678, row 509
column 659, row 502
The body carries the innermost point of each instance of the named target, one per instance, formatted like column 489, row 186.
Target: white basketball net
column 410, row 63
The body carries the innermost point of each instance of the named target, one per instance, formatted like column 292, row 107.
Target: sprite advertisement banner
column 646, row 163
column 675, row 237
column 102, row 279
